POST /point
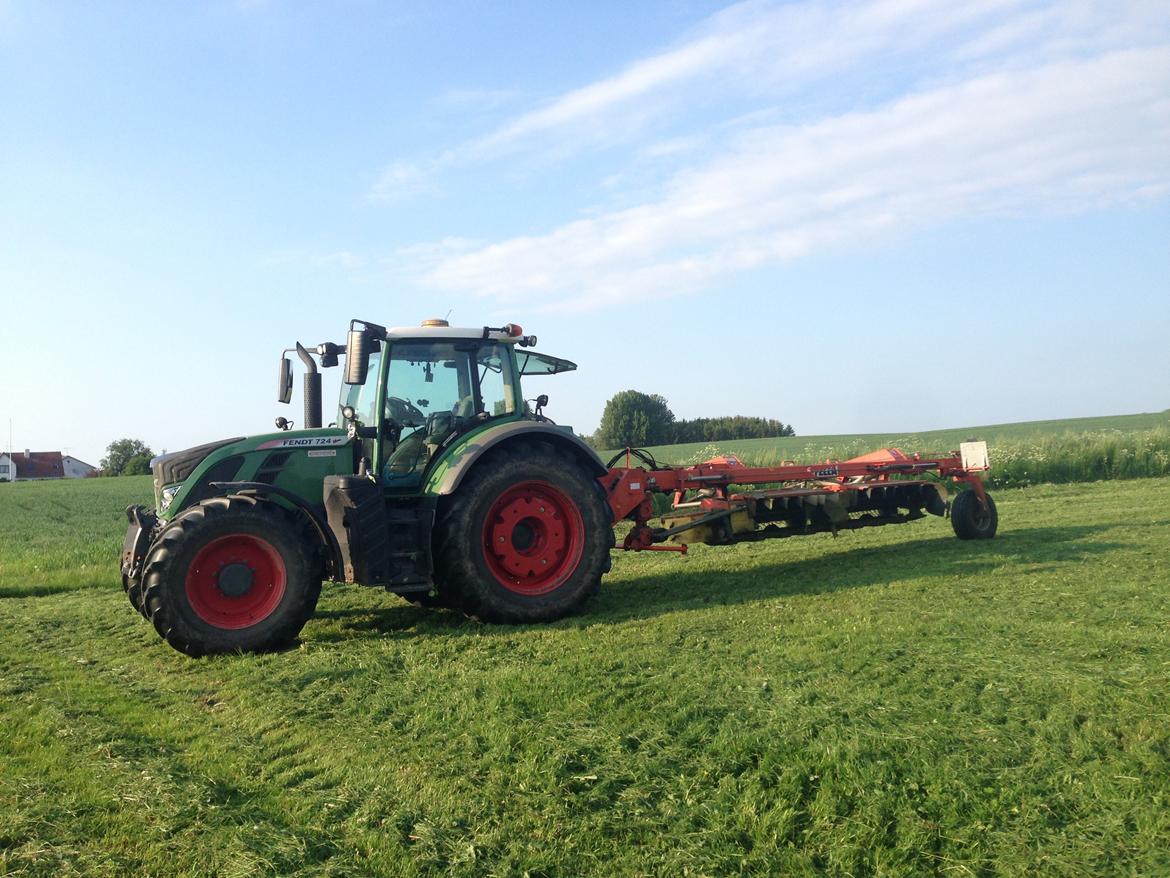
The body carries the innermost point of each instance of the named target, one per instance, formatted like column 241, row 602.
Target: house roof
column 39, row 465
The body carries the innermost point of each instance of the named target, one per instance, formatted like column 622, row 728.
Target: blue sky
column 884, row 215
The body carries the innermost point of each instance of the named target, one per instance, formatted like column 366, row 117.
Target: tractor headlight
column 167, row 495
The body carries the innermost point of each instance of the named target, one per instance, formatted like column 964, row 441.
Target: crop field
column 1035, row 452
column 891, row 702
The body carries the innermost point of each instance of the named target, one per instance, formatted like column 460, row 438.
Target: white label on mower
column 635, row 486
column 306, row 442
column 974, row 455
column 323, row 453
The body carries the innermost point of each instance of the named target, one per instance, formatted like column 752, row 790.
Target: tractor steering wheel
column 403, row 411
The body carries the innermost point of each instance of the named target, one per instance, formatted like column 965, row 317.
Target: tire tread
column 465, row 587
column 164, row 577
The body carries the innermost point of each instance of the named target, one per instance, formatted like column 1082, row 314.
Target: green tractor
column 438, row 482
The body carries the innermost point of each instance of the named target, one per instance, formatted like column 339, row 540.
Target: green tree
column 127, row 457
column 635, row 418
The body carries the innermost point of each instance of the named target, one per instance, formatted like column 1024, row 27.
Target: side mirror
column 284, row 390
column 357, row 356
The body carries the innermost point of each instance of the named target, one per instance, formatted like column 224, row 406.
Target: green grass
column 62, row 535
column 894, row 701
column 1035, row 452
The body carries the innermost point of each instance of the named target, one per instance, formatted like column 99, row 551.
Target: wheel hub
column 235, row 579
column 524, row 534
column 533, row 538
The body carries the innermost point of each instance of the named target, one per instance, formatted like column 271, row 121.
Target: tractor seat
column 464, row 409
column 408, row 457
column 415, row 450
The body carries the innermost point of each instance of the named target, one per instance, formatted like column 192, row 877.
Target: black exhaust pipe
column 312, row 390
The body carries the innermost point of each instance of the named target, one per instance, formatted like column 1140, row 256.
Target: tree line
column 637, row 419
column 126, row 457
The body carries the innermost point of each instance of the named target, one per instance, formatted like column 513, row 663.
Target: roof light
column 514, row 329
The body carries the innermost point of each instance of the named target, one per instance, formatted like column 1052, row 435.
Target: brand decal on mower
column 312, row 442
column 826, row 473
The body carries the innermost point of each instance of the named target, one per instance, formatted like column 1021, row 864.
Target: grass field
column 894, row 701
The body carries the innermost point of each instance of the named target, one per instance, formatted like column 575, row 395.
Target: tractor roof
column 439, row 329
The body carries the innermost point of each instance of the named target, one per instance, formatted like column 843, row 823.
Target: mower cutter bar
column 831, row 495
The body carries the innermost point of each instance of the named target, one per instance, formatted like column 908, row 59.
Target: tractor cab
column 423, row 387
column 433, row 391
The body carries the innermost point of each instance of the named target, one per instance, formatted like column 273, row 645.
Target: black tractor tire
column 969, row 520
column 232, row 574
column 133, row 589
column 524, row 538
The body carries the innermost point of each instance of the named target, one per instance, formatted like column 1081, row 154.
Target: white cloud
column 1067, row 135
column 400, row 179
column 925, row 112
column 747, row 48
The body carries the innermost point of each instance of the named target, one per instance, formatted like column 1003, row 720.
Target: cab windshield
column 434, row 389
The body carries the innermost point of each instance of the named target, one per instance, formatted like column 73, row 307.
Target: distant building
column 30, row 465
column 77, row 469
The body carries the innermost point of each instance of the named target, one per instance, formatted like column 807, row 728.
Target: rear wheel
column 970, row 520
column 232, row 573
column 526, row 537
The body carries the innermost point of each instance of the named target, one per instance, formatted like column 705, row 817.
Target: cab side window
column 494, row 373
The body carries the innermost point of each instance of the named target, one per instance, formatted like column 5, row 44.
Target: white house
column 76, row 469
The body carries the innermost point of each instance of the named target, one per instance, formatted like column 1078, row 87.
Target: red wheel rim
column 532, row 538
column 236, row 581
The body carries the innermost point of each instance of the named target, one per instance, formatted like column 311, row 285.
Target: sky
column 870, row 216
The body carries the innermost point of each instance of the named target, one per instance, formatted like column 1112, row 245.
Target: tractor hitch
column 137, row 539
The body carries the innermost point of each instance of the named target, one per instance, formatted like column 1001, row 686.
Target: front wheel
column 525, row 538
column 231, row 574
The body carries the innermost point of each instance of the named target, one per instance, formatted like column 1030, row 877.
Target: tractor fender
column 445, row 479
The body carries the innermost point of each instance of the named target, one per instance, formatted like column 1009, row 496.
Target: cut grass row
column 894, row 701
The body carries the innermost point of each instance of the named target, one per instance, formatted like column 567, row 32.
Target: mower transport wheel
column 525, row 538
column 970, row 520
column 230, row 574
